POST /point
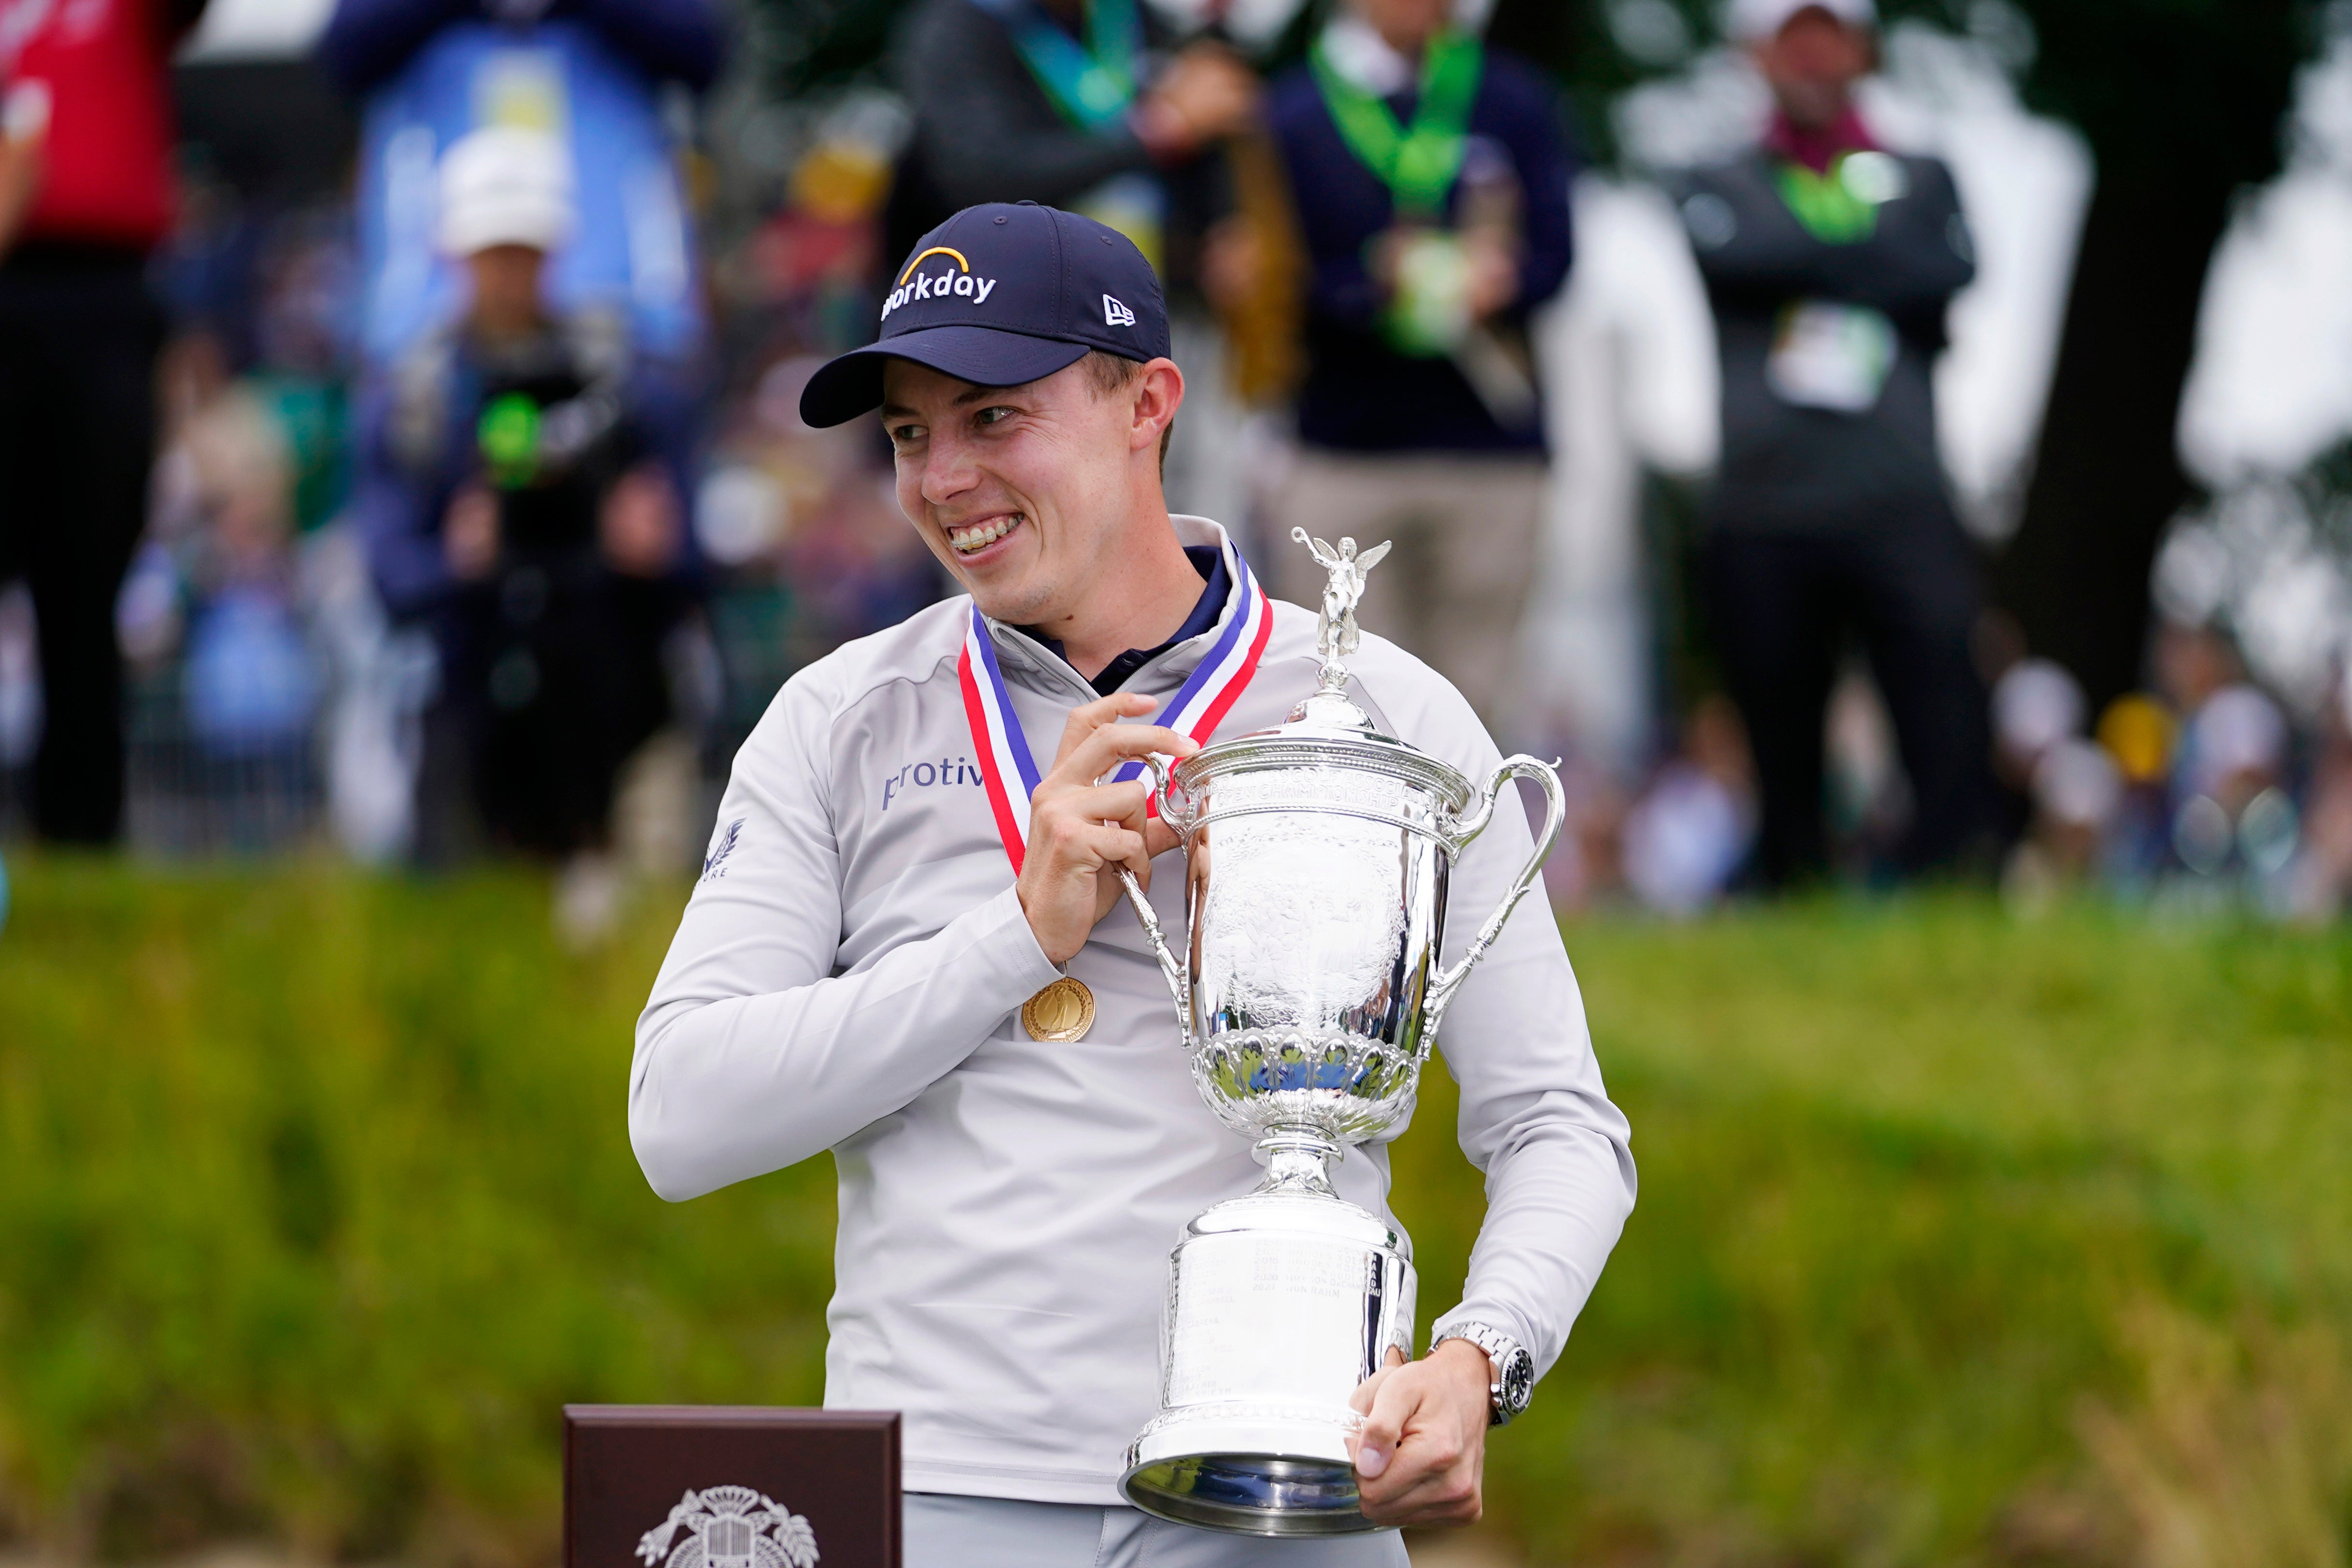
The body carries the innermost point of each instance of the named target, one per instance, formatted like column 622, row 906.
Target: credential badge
column 730, row 1527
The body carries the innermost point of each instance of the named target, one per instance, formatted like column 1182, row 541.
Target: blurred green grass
column 316, row 1203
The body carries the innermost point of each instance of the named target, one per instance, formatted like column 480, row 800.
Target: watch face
column 1518, row 1372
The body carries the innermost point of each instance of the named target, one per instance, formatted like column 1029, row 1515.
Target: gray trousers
column 948, row 1531
column 1454, row 589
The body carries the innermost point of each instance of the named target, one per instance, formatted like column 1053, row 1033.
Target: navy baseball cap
column 998, row 295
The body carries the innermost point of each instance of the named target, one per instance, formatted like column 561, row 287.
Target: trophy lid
column 1330, row 711
column 1329, row 727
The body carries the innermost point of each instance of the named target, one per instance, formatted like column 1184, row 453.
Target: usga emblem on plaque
column 730, row 1527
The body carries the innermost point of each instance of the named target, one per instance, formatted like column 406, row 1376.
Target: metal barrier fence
column 183, row 798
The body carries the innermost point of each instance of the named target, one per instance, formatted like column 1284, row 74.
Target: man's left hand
column 1422, row 1449
column 24, row 154
column 1206, row 94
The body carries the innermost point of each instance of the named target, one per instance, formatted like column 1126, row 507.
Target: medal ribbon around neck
column 1006, row 766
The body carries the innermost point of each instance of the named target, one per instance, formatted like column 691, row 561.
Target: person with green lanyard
column 1829, row 264
column 1095, row 106
column 1431, row 175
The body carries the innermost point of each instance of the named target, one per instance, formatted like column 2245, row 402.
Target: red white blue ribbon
column 1006, row 764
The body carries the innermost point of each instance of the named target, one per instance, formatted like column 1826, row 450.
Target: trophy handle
column 1170, row 966
column 1163, row 779
column 1440, row 990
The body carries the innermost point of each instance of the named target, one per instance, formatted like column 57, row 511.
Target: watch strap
column 1512, row 1370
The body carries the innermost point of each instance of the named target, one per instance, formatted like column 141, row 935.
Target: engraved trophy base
column 1279, row 1304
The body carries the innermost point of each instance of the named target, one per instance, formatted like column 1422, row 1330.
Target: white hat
column 2035, row 705
column 2238, row 730
column 505, row 186
column 1753, row 21
column 2077, row 783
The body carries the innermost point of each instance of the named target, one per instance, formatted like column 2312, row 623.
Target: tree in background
column 2183, row 105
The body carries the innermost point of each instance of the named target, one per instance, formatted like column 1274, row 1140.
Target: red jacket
column 107, row 65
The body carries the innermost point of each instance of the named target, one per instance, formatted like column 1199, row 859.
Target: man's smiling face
column 1018, row 490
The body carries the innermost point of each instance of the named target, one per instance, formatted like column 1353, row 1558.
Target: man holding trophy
column 928, row 944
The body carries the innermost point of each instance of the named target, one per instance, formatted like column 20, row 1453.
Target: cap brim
column 850, row 385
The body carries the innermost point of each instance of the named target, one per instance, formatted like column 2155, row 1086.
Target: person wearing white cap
column 506, row 206
column 1829, row 263
column 505, row 185
column 519, row 490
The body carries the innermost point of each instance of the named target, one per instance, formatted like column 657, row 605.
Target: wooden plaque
column 730, row 1485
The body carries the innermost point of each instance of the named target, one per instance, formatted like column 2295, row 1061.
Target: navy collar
column 1210, row 563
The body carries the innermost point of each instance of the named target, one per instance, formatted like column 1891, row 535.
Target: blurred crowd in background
column 402, row 455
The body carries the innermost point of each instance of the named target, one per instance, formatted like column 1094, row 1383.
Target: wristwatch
column 1515, row 1369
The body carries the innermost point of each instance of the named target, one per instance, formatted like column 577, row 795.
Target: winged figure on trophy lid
column 1336, row 636
column 730, row 1527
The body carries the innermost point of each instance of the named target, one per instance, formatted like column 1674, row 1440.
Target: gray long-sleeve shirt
column 849, row 975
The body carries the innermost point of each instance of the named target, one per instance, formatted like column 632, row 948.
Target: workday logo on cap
column 919, row 283
column 999, row 295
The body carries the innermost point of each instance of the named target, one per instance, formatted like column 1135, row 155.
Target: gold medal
column 1063, row 1011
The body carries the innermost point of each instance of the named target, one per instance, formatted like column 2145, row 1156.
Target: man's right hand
column 1493, row 274
column 1206, row 94
column 1080, row 832
column 469, row 534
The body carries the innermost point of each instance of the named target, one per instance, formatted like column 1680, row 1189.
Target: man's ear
column 1158, row 393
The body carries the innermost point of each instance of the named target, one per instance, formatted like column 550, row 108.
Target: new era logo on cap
column 1000, row 295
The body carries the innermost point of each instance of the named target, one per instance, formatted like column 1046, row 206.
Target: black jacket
column 1792, row 467
column 1361, row 395
column 985, row 132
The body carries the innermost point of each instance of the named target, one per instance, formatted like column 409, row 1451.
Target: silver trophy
column 1308, row 996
